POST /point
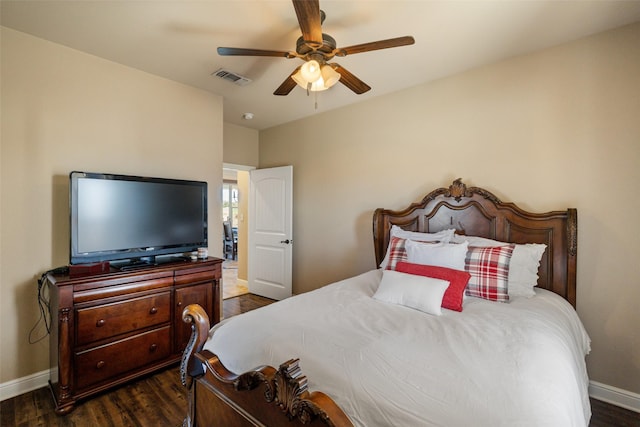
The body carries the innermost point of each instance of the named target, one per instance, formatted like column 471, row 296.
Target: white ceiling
column 177, row 39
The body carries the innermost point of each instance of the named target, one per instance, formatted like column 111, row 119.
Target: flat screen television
column 133, row 220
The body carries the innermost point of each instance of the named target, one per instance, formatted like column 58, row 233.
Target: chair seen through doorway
column 230, row 241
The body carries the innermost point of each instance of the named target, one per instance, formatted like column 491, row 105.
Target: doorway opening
column 235, row 190
column 230, row 219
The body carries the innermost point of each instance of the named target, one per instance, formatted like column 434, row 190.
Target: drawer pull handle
column 153, row 310
column 100, row 364
column 100, row 323
column 179, row 303
column 153, row 348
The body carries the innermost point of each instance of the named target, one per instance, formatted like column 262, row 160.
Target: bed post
column 189, row 369
column 572, row 254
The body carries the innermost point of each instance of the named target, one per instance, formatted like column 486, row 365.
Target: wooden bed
column 268, row 396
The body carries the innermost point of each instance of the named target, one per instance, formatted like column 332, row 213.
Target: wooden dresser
column 110, row 328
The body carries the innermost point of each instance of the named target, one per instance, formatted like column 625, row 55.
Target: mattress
column 493, row 364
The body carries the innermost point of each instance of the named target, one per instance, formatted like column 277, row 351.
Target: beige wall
column 64, row 110
column 240, row 145
column 550, row 130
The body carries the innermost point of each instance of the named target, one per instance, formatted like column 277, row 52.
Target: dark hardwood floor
column 605, row 415
column 160, row 400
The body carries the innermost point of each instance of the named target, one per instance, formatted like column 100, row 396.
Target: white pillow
column 438, row 254
column 413, row 291
column 441, row 236
column 523, row 267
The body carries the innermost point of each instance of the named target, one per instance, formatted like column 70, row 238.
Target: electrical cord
column 44, row 305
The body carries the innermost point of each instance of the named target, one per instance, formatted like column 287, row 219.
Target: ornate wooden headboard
column 477, row 212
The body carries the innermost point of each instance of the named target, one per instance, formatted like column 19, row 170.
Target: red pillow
column 457, row 279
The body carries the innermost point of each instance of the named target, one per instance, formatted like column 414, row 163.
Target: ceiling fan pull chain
column 316, row 99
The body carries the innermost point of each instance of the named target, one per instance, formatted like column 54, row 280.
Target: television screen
column 120, row 217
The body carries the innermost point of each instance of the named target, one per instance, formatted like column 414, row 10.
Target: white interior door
column 270, row 237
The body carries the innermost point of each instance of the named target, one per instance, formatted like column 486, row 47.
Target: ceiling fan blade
column 380, row 44
column 287, row 86
column 308, row 12
column 351, row 81
column 237, row 51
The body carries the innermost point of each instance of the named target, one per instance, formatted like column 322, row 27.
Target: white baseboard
column 615, row 396
column 23, row 385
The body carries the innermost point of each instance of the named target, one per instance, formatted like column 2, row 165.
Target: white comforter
column 494, row 364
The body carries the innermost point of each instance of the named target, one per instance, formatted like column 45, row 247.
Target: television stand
column 110, row 328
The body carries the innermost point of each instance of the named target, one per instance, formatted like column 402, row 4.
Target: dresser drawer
column 108, row 320
column 101, row 363
column 198, row 275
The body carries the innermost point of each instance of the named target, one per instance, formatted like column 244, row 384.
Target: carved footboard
column 264, row 396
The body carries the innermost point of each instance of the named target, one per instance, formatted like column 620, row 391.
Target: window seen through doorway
column 230, row 202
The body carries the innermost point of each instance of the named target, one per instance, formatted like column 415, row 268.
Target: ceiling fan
column 317, row 49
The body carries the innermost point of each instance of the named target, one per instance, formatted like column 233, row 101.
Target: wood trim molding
column 615, row 396
column 23, row 385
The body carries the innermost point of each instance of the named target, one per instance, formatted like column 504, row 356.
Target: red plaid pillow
column 489, row 269
column 397, row 252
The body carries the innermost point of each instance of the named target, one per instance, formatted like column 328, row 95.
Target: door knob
column 286, row 242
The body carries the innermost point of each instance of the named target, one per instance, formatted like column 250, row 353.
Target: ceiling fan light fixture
column 330, row 76
column 319, row 85
column 327, row 78
column 310, row 71
column 297, row 77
